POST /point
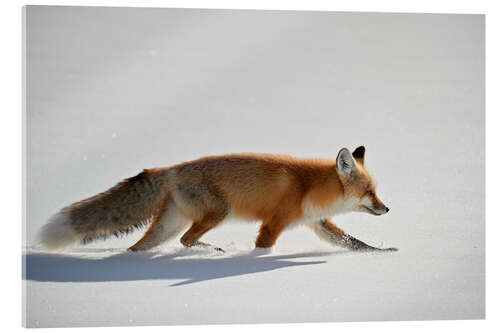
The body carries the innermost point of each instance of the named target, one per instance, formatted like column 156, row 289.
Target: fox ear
column 359, row 154
column 345, row 163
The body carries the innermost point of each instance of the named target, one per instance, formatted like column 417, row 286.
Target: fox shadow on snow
column 146, row 266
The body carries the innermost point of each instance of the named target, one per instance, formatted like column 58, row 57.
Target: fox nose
column 386, row 209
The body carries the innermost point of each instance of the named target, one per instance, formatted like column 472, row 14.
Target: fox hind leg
column 167, row 224
column 200, row 227
column 218, row 211
column 206, row 207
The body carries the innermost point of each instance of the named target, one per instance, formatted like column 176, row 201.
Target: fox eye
column 369, row 192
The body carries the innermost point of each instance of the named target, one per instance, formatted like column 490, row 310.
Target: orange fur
column 256, row 184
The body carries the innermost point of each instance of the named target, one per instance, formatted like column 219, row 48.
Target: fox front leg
column 328, row 231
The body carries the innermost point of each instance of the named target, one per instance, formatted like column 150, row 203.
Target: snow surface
column 112, row 91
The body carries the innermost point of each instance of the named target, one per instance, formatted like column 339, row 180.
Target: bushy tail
column 128, row 205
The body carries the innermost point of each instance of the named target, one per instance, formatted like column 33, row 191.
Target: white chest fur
column 313, row 213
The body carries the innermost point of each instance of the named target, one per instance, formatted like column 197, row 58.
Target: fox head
column 359, row 185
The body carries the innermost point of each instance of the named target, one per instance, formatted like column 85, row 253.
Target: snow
column 408, row 87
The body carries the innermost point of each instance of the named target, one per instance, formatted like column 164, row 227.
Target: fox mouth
column 371, row 211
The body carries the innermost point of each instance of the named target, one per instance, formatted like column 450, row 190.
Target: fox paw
column 218, row 249
column 208, row 246
column 393, row 249
column 260, row 251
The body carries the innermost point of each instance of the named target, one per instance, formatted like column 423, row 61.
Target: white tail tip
column 58, row 234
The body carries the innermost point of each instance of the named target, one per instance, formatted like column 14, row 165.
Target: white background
column 354, row 8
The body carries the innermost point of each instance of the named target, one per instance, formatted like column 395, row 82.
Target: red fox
column 279, row 191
